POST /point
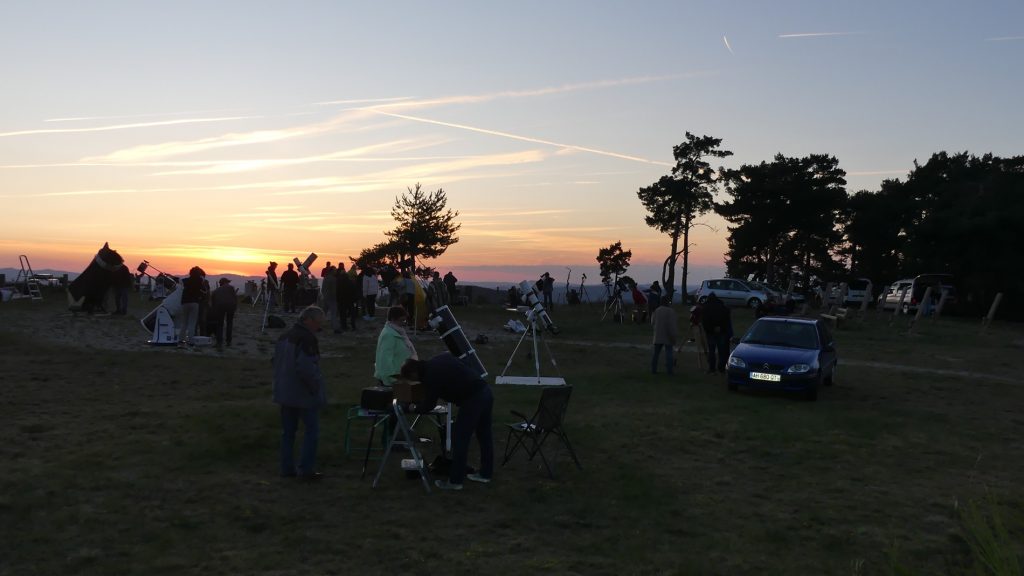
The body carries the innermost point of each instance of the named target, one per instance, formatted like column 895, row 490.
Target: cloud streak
column 727, row 46
column 819, row 34
column 532, row 93
column 523, row 138
column 124, row 126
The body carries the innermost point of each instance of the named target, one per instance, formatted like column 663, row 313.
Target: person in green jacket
column 393, row 347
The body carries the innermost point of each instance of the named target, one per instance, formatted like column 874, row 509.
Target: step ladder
column 404, row 438
column 28, row 277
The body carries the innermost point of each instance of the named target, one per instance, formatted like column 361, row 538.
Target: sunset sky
column 226, row 134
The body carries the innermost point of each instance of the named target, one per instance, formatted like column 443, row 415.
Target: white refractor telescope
column 536, row 314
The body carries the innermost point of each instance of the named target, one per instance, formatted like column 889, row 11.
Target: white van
column 915, row 288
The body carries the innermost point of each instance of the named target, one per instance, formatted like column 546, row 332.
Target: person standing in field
column 449, row 281
column 548, row 288
column 123, row 282
column 653, row 299
column 329, row 295
column 346, row 294
column 272, row 285
column 191, row 294
column 666, row 333
column 224, row 302
column 717, row 322
column 289, row 285
column 370, row 289
column 300, row 393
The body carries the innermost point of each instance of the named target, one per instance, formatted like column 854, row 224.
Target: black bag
column 376, row 398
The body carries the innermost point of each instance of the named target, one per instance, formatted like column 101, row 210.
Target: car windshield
column 787, row 334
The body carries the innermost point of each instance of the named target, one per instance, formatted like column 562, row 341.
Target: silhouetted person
column 123, row 282
column 299, row 391
column 223, row 303
column 666, row 332
column 717, row 322
column 346, row 298
column 449, row 281
column 289, row 286
column 445, row 376
column 272, row 285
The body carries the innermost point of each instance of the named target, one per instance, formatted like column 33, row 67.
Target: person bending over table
column 445, row 376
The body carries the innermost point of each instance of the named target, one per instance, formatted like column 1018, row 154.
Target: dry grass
column 120, row 459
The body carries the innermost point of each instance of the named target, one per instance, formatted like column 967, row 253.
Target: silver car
column 732, row 292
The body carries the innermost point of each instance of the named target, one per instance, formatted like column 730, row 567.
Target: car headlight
column 737, row 362
column 799, row 369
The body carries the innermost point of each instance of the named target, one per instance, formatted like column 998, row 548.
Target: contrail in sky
column 1004, row 38
column 476, row 98
column 123, row 126
column 818, row 34
column 729, row 48
column 522, row 138
column 363, row 101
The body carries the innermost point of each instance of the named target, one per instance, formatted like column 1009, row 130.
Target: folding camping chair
column 530, row 433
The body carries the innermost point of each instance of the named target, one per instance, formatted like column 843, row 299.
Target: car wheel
column 702, row 300
column 906, row 309
column 754, row 302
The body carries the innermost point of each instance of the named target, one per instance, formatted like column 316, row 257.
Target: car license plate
column 765, row 377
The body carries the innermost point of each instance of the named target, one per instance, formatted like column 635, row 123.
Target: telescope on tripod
column 167, row 281
column 540, row 321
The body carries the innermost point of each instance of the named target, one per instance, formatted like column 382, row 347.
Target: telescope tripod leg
column 510, row 358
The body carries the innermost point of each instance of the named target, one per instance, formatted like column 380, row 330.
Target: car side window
column 737, row 286
column 715, row 285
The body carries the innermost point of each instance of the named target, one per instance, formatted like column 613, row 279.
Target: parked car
column 774, row 293
column 856, row 291
column 732, row 292
column 782, row 353
column 915, row 289
column 890, row 299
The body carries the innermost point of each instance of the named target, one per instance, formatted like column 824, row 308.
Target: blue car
column 791, row 354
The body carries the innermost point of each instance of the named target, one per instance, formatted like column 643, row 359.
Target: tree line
column 793, row 220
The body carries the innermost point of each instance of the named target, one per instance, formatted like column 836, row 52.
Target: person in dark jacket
column 445, row 376
column 717, row 322
column 222, row 311
column 273, row 287
column 299, row 391
column 123, row 282
column 191, row 294
column 289, row 287
column 653, row 299
column 345, row 292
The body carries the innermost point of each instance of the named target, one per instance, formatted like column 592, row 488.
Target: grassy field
column 153, row 461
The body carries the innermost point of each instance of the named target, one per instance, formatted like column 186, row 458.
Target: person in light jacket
column 393, row 347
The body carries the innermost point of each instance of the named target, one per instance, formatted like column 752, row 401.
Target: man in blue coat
column 299, row 390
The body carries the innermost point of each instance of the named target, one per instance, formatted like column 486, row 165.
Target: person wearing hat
column 222, row 310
